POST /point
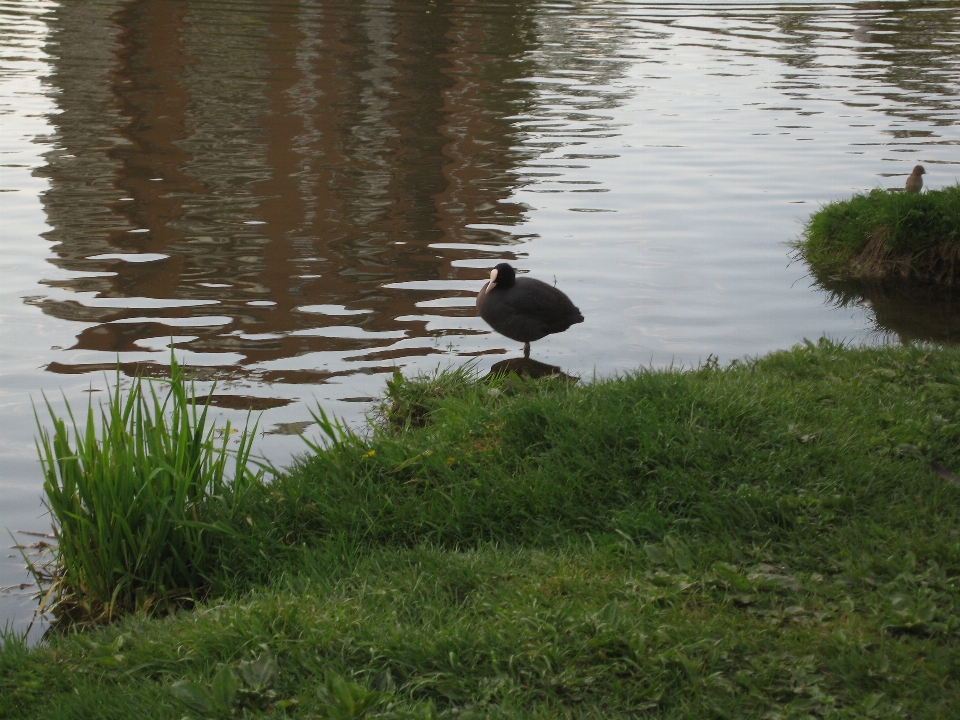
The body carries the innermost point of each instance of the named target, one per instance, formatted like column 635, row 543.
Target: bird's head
column 918, row 170
column 502, row 275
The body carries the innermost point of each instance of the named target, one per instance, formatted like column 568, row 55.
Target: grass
column 887, row 236
column 141, row 501
column 763, row 540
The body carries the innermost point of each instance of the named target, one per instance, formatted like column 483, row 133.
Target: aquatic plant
column 886, row 236
column 141, row 501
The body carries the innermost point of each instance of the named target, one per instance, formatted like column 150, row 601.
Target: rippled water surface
column 306, row 195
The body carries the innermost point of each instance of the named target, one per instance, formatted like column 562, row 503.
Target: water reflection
column 253, row 161
column 304, row 194
column 909, row 311
column 912, row 51
column 270, row 161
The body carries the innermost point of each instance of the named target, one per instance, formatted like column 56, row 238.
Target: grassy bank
column 764, row 540
column 887, row 236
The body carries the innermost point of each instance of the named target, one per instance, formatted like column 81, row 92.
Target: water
column 307, row 195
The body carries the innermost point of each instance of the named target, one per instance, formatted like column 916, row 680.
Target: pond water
column 306, row 195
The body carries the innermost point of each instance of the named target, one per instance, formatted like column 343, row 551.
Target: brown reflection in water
column 906, row 52
column 911, row 42
column 911, row 50
column 278, row 154
column 910, row 310
column 245, row 402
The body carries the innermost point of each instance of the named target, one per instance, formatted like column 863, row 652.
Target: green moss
column 885, row 235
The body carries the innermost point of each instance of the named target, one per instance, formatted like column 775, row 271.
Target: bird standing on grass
column 524, row 309
column 915, row 182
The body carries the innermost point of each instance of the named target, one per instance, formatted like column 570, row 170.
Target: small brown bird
column 915, row 182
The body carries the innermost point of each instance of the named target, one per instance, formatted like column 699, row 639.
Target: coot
column 524, row 309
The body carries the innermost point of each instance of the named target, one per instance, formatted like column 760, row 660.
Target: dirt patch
column 937, row 264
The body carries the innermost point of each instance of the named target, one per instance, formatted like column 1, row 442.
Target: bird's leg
column 526, row 351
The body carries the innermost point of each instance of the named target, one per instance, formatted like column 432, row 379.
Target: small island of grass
column 885, row 236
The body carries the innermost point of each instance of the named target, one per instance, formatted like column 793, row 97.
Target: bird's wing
column 481, row 294
column 543, row 300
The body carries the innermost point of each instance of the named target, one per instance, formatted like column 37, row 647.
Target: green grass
column 140, row 500
column 763, row 540
column 887, row 236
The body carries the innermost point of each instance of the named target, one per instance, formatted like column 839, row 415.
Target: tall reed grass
column 141, row 501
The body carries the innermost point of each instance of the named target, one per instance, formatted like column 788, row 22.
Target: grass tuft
column 407, row 401
column 887, row 236
column 141, row 501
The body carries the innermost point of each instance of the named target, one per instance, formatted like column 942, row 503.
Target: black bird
column 524, row 309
